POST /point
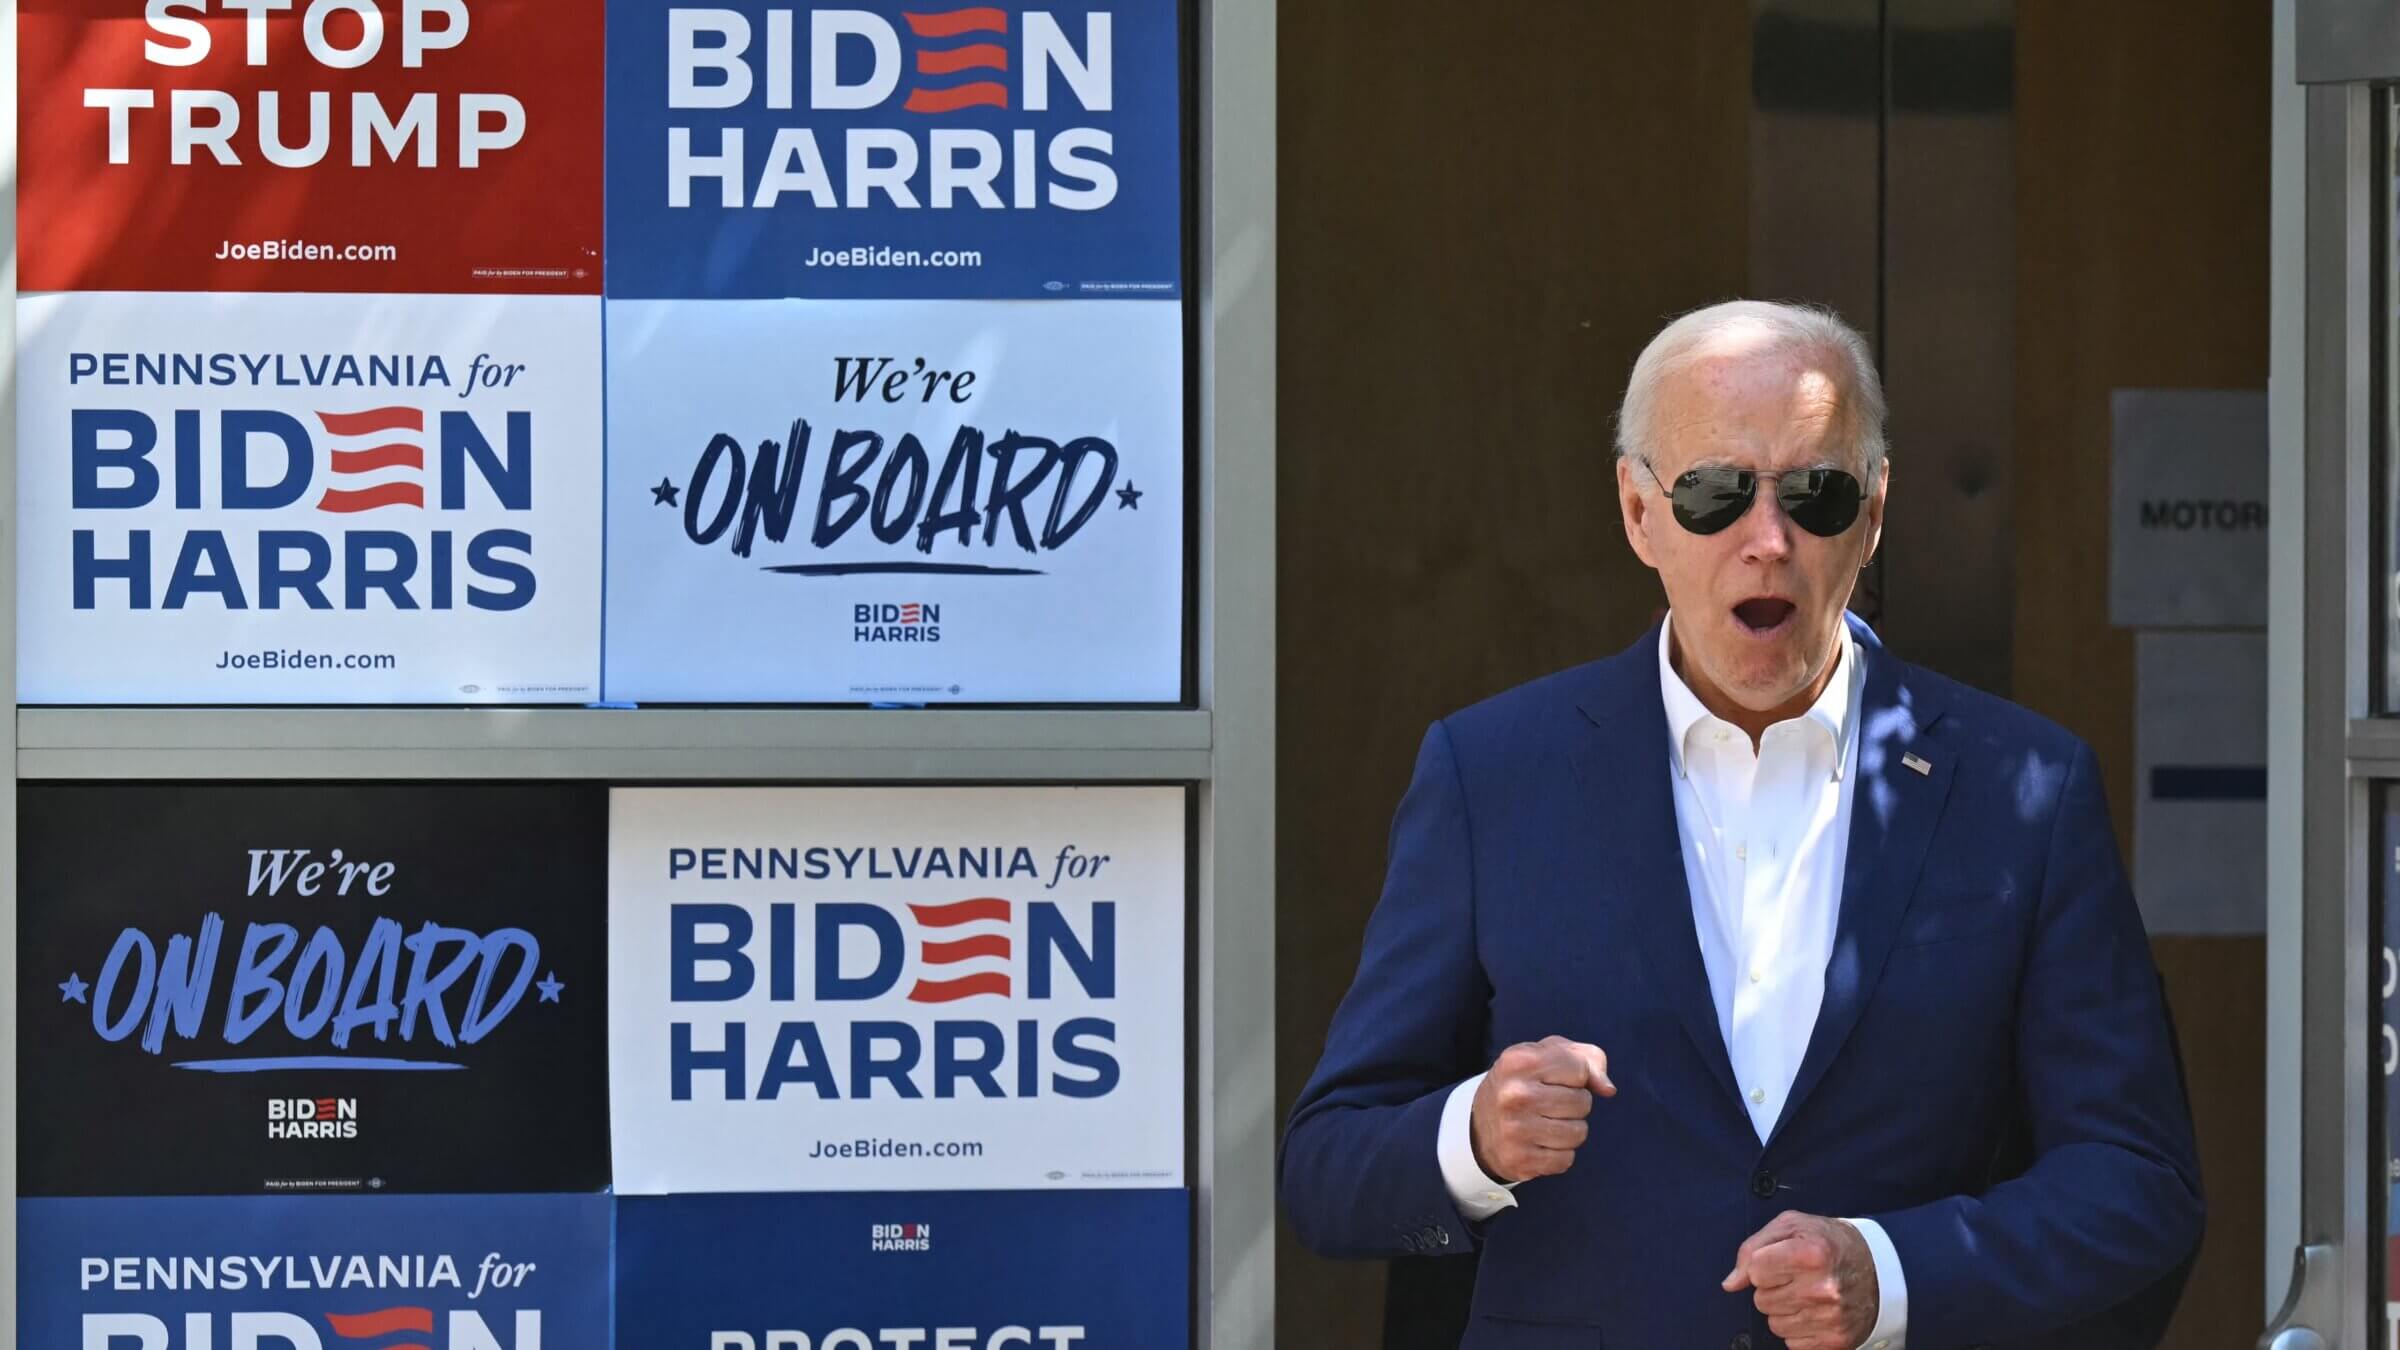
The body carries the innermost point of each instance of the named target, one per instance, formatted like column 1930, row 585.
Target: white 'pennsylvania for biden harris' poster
column 308, row 498
column 885, row 989
column 903, row 501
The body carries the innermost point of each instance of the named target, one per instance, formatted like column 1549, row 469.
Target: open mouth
column 1764, row 616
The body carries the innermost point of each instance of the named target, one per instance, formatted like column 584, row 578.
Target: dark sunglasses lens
column 1708, row 500
column 1821, row 501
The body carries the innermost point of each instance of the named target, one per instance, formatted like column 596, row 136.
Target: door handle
column 2313, row 1283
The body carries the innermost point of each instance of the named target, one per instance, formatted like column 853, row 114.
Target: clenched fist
column 1815, row 1279
column 1529, row 1112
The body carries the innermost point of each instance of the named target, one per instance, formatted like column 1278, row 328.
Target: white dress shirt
column 1766, row 831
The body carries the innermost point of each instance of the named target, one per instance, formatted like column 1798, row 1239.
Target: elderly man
column 1709, row 979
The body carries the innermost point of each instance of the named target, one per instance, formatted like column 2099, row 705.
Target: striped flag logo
column 376, row 459
column 384, row 1323
column 966, row 49
column 949, row 950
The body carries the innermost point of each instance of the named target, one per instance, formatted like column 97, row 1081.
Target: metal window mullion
column 1236, row 920
column 734, row 745
column 2373, row 746
column 2333, row 804
column 9, row 1087
column 579, row 729
column 618, row 766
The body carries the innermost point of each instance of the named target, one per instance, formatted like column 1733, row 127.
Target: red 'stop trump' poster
column 444, row 146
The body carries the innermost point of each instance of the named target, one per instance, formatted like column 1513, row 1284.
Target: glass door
column 2336, row 1015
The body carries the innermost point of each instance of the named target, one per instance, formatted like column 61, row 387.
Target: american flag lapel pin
column 1918, row 763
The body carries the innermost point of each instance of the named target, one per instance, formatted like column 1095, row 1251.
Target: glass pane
column 2384, row 679
column 2384, row 918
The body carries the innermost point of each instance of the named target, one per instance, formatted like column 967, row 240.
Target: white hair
column 1788, row 328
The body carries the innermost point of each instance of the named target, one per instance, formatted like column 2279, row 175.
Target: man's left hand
column 1815, row 1281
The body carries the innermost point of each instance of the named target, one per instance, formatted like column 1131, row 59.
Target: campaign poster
column 991, row 1270
column 898, row 501
column 894, row 149
column 896, row 989
column 308, row 499
column 311, row 987
column 310, row 145
column 319, row 1272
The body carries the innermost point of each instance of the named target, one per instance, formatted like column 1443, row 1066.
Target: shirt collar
column 1836, row 709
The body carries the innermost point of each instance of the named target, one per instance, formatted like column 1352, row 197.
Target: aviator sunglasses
column 1823, row 502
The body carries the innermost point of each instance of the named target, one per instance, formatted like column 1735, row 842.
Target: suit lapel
column 1623, row 768
column 1903, row 781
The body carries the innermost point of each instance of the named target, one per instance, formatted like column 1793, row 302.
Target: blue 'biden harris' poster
column 894, row 149
column 315, row 1272
column 995, row 1270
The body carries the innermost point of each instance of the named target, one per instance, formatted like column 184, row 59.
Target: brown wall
column 1480, row 224
column 2142, row 261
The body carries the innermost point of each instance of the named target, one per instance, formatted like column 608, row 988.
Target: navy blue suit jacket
column 1989, row 973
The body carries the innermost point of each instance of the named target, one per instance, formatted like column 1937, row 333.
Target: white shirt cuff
column 1891, row 1320
column 1477, row 1196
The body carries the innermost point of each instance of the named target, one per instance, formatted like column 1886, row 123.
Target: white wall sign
column 308, row 498
column 836, row 989
column 895, row 501
column 2187, row 544
column 2200, row 793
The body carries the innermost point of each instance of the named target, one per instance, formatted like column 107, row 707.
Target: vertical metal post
column 11, row 1097
column 2288, row 528
column 1237, row 674
column 2332, row 1032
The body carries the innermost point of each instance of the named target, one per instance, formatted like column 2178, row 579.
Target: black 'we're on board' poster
column 312, row 988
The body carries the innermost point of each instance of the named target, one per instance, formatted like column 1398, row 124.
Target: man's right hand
column 1529, row 1111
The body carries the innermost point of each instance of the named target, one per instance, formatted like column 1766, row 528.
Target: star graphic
column 550, row 987
column 73, row 989
column 1129, row 496
column 664, row 493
